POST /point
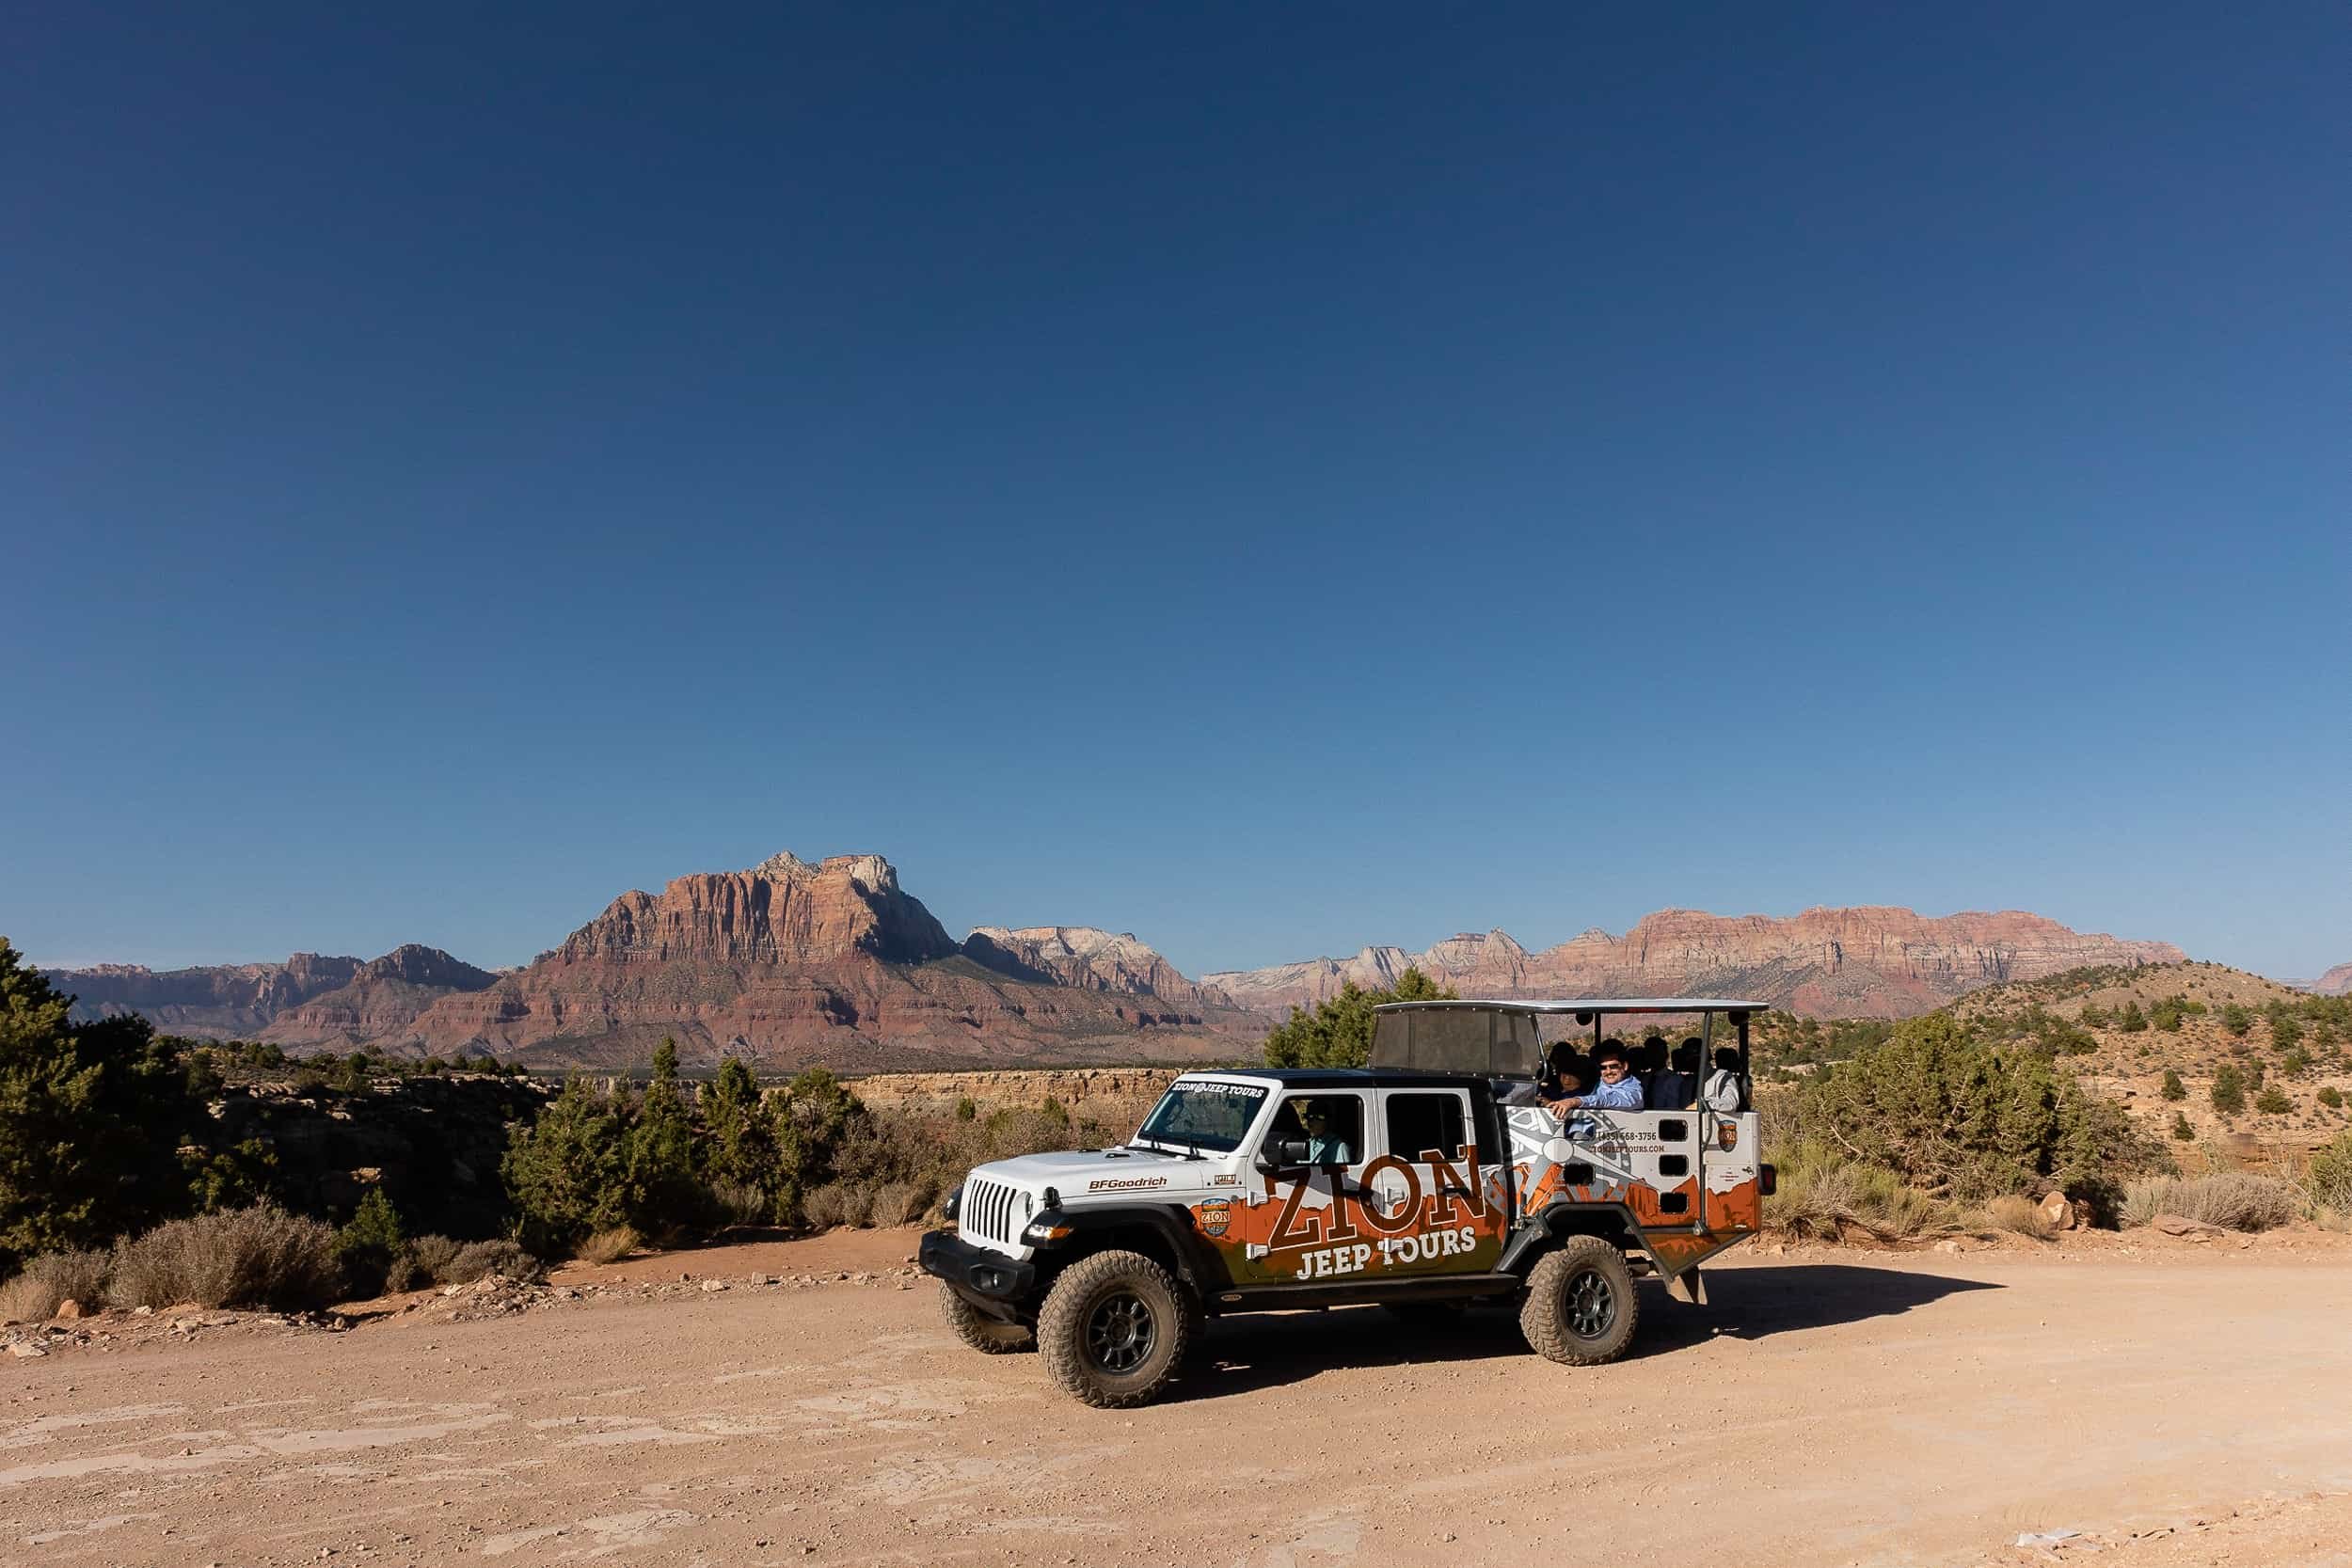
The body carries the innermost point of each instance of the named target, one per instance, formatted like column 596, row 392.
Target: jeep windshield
column 1202, row 1113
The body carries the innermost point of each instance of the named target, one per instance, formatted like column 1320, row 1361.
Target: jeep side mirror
column 1283, row 1154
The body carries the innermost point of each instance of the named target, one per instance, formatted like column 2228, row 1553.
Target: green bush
column 2131, row 1020
column 92, row 1119
column 369, row 1242
column 2330, row 1097
column 1338, row 1031
column 2270, row 1102
column 2228, row 1092
column 2173, row 1088
column 2236, row 1019
column 2181, row 1128
column 1967, row 1121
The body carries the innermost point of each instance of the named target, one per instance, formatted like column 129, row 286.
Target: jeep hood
column 1063, row 1169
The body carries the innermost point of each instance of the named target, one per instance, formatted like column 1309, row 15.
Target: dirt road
column 1866, row 1409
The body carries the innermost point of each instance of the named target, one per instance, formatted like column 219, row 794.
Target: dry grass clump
column 611, row 1246
column 50, row 1280
column 421, row 1263
column 2020, row 1216
column 481, row 1259
column 739, row 1203
column 1823, row 1195
column 834, row 1203
column 258, row 1257
column 2234, row 1200
column 899, row 1202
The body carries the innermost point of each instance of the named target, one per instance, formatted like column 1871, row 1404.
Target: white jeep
column 1452, row 1169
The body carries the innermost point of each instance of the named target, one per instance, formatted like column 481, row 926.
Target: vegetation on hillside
column 1338, row 1031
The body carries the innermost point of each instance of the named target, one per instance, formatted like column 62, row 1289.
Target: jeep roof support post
column 1698, row 1123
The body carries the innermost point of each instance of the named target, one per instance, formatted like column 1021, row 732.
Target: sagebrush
column 257, row 1256
column 49, row 1281
column 2235, row 1200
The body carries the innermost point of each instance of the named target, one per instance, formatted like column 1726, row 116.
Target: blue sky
column 1271, row 479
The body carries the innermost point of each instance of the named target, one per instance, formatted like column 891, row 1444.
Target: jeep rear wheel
column 1114, row 1329
column 976, row 1328
column 1580, row 1308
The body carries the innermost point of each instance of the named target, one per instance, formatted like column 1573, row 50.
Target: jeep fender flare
column 1547, row 1228
column 1163, row 1232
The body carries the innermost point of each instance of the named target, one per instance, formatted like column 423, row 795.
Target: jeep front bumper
column 989, row 1280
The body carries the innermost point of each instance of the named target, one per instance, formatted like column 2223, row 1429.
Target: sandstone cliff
column 1864, row 962
column 787, row 963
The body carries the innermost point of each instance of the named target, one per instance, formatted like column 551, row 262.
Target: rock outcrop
column 1084, row 956
column 1862, row 962
column 2336, row 982
column 788, row 963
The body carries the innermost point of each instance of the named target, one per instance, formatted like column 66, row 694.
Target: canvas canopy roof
column 1498, row 1039
column 1599, row 1004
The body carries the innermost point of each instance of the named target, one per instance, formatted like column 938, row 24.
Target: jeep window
column 1199, row 1113
column 1332, row 1126
column 1419, row 1123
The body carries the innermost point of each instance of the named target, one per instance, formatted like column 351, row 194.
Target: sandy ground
column 2167, row 1406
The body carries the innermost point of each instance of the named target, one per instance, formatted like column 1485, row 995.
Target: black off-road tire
column 1114, row 1329
column 1581, row 1308
column 976, row 1328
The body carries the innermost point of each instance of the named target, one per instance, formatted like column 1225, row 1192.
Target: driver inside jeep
column 1323, row 1148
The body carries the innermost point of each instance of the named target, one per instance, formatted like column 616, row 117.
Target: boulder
column 67, row 1310
column 2176, row 1224
column 2059, row 1212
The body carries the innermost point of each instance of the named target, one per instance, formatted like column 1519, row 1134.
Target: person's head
column 1560, row 1058
column 1611, row 1061
column 1314, row 1116
column 1727, row 1059
column 1654, row 1050
column 1571, row 1079
column 1687, row 1056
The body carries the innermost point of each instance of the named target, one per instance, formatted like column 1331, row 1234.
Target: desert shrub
column 2270, row 1102
column 2329, row 1176
column 899, row 1202
column 50, row 1279
column 738, row 1203
column 1963, row 1121
column 1822, row 1195
column 2182, row 1130
column 967, row 1109
column 479, row 1260
column 2228, row 1092
column 2131, row 1021
column 834, row 1203
column 92, row 1117
column 2330, row 1097
column 2019, row 1215
column 2294, row 1063
column 564, row 1171
column 1338, row 1031
column 2174, row 1087
column 2166, row 1015
column 420, row 1262
column 258, row 1257
column 610, row 1246
column 2236, row 1200
column 2236, row 1019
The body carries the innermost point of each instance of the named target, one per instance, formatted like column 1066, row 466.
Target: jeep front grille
column 988, row 1214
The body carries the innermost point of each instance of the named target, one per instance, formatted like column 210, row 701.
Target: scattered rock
column 2177, row 1224
column 27, row 1348
column 712, row 1286
column 67, row 1310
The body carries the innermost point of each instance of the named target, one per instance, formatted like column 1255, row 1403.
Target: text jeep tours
column 1432, row 1178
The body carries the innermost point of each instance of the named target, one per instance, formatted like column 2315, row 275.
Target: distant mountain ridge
column 1860, row 962
column 790, row 962
column 2336, row 982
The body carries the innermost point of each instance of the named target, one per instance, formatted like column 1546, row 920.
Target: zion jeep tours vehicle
column 1433, row 1179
